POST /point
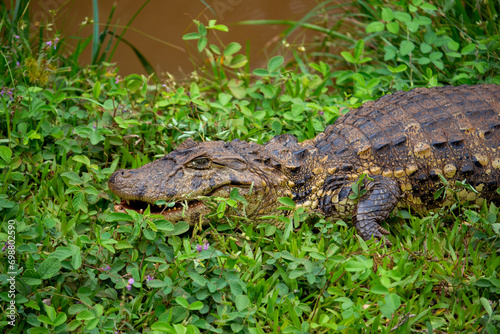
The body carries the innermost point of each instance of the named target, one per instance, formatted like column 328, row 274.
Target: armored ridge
column 402, row 142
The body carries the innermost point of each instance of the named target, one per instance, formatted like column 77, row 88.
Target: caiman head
column 194, row 171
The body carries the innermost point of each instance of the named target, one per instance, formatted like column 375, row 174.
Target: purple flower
column 106, row 268
column 321, row 112
column 53, row 43
column 199, row 248
column 149, row 278
column 205, row 246
column 130, row 282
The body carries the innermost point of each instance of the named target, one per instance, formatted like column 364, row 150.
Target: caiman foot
column 375, row 206
column 371, row 229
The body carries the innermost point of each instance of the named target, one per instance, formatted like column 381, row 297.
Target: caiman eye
column 200, row 163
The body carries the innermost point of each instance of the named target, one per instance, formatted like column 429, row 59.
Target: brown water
column 158, row 29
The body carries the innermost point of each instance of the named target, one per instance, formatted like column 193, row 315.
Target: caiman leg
column 375, row 206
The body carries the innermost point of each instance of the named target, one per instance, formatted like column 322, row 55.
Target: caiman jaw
column 140, row 206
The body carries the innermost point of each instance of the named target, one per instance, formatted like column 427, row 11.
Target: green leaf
column 379, row 290
column 261, row 72
column 439, row 64
column 400, row 68
column 224, row 99
column 74, row 179
column 76, row 308
column 51, row 312
column 220, row 27
column 60, row 319
column 164, row 327
column 197, row 305
column 387, row 14
column 425, row 48
column 76, row 260
column 82, row 158
column 164, row 225
column 202, row 43
column 422, row 20
column 49, row 268
column 267, row 91
column 241, row 302
column 487, row 306
column 31, row 277
column 390, row 305
column 5, row 153
column 96, row 90
column 274, row 63
column 348, row 57
column 77, row 201
column 118, row 216
column 412, row 26
column 392, row 27
column 471, row 48
column 179, row 228
column 197, row 278
column 276, row 126
column 406, row 48
column 202, row 29
column 231, row 49
column 235, row 288
column 355, row 265
column 297, row 273
column 191, row 35
column 85, row 315
column 287, row 201
column 402, row 16
column 155, row 283
column 452, row 45
column 45, row 320
column 358, row 49
column 374, row 27
column 182, row 302
column 424, row 61
column 435, row 55
column 149, row 234
column 238, row 61
column 61, row 253
column 428, row 6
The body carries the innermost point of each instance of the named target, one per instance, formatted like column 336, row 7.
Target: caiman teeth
column 140, row 206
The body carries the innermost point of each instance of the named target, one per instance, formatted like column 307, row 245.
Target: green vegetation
column 83, row 268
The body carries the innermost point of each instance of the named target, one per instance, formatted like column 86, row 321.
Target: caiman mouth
column 141, row 206
column 188, row 209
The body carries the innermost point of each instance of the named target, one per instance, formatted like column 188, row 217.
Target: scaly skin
column 402, row 142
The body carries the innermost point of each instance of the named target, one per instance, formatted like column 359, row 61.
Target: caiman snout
column 124, row 184
column 118, row 175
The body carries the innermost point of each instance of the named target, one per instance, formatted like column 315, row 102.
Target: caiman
column 407, row 144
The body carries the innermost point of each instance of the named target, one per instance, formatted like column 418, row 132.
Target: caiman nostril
column 125, row 173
